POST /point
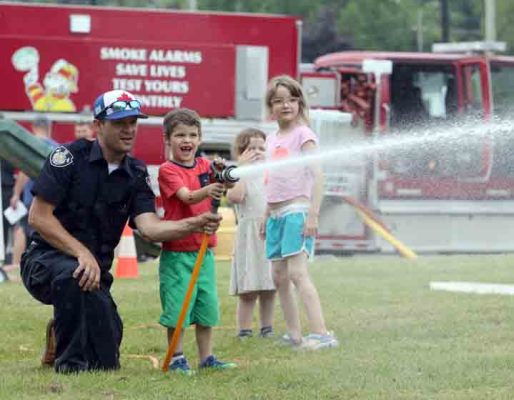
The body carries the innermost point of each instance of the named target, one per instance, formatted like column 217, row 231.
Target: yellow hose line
column 402, row 249
column 152, row 359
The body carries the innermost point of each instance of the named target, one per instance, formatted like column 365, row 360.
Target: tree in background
column 465, row 20
column 390, row 25
column 303, row 8
column 504, row 25
column 320, row 35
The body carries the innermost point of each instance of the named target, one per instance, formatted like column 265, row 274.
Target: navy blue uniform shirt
column 91, row 204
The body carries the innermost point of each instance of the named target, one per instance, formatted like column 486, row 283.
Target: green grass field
column 399, row 339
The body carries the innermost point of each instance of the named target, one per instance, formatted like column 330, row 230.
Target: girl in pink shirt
column 293, row 195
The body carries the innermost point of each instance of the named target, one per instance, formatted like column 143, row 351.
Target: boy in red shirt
column 186, row 190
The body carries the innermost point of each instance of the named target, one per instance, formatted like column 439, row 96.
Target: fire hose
column 372, row 220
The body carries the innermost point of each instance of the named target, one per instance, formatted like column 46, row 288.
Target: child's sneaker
column 245, row 334
column 316, row 341
column 266, row 332
column 214, row 363
column 180, row 366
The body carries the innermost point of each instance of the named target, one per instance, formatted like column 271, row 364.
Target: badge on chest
column 61, row 157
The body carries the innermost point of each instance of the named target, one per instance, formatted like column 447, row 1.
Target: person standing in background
column 7, row 191
column 84, row 130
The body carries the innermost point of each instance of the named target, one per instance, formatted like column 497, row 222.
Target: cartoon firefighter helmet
column 62, row 79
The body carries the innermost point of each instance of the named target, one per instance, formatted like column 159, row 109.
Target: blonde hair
column 243, row 140
column 183, row 116
column 294, row 88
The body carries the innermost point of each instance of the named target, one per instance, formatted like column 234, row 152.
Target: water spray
column 437, row 139
column 448, row 136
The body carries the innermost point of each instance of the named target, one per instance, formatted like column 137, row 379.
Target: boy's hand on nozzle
column 229, row 185
column 209, row 223
column 215, row 190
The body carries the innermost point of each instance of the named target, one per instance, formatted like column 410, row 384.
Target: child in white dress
column 251, row 273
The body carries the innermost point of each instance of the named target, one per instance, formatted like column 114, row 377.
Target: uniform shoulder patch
column 61, row 157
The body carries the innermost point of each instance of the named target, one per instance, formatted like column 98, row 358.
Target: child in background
column 251, row 273
column 293, row 195
column 186, row 190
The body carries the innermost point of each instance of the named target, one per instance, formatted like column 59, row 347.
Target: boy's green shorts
column 175, row 269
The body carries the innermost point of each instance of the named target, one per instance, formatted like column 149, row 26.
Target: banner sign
column 52, row 75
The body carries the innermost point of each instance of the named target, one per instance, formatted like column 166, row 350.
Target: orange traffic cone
column 126, row 266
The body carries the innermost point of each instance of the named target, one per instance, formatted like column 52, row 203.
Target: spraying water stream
column 453, row 137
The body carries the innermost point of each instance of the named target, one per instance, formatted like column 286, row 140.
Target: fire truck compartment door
column 251, row 81
column 321, row 88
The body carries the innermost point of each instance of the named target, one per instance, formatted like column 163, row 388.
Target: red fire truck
column 57, row 59
column 433, row 197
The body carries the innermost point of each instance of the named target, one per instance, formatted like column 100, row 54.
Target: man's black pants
column 88, row 327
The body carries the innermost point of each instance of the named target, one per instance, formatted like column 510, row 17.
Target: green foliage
column 465, row 23
column 400, row 340
column 379, row 25
column 504, row 25
column 303, row 8
column 333, row 25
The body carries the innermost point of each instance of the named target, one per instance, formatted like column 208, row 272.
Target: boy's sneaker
column 180, row 366
column 214, row 363
column 316, row 341
column 266, row 332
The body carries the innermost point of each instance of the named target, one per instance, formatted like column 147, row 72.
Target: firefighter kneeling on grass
column 84, row 196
